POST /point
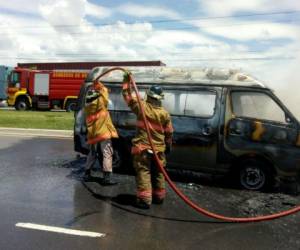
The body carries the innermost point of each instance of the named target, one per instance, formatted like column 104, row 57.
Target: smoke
column 287, row 86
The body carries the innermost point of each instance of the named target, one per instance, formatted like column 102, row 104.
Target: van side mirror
column 288, row 119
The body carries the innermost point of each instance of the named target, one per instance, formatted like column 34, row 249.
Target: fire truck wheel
column 22, row 104
column 71, row 105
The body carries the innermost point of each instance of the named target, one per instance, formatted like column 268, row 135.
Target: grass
column 36, row 119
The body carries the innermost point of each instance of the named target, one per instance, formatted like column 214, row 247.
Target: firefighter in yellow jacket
column 100, row 131
column 149, row 180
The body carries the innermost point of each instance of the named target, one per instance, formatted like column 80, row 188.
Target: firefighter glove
column 126, row 76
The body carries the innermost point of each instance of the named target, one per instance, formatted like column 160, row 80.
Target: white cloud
column 167, row 39
column 66, row 12
column 13, row 41
column 230, row 7
column 250, row 30
column 97, row 11
column 30, row 7
column 146, row 11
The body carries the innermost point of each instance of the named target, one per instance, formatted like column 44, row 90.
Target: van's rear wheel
column 255, row 175
column 71, row 105
column 22, row 104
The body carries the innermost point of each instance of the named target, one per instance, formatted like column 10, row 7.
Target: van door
column 80, row 129
column 258, row 124
column 195, row 117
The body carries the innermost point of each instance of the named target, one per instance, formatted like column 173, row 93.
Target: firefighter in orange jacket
column 100, row 131
column 149, row 190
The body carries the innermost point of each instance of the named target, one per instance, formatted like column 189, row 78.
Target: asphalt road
column 40, row 184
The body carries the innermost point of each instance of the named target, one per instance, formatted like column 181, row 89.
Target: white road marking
column 60, row 230
column 36, row 135
column 35, row 129
column 28, row 132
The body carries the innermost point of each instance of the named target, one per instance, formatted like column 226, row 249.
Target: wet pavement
column 40, row 183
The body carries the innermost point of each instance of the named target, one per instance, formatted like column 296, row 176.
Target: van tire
column 22, row 104
column 71, row 105
column 255, row 175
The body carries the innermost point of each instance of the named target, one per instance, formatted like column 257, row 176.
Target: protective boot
column 108, row 179
column 159, row 194
column 87, row 175
column 157, row 200
column 142, row 204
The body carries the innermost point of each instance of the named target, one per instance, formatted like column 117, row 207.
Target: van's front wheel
column 255, row 175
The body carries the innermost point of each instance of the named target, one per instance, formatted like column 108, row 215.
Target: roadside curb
column 36, row 132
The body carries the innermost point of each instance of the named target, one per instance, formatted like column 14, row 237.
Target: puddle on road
column 76, row 165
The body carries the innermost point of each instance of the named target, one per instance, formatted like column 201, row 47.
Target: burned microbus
column 225, row 122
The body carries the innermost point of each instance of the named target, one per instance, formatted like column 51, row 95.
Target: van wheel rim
column 72, row 107
column 253, row 178
column 22, row 105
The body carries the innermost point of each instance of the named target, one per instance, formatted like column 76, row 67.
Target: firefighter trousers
column 149, row 180
column 105, row 147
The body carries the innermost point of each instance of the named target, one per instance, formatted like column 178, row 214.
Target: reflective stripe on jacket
column 99, row 123
column 159, row 122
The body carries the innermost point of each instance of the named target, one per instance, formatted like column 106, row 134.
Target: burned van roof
column 172, row 75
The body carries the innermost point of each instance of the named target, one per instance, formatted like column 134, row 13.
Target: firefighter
column 100, row 131
column 149, row 180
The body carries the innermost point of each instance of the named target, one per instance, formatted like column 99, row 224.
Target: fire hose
column 171, row 183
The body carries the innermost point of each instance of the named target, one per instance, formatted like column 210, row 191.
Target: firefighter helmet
column 91, row 95
column 155, row 92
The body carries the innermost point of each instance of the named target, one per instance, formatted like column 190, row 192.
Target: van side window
column 200, row 103
column 174, row 102
column 118, row 103
column 256, row 105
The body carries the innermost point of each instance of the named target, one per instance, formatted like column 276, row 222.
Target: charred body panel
column 272, row 142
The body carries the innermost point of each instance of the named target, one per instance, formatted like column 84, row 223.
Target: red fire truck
column 44, row 89
column 54, row 85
